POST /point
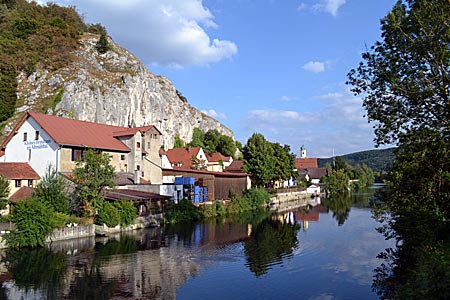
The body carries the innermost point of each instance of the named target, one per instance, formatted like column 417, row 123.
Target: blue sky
column 277, row 67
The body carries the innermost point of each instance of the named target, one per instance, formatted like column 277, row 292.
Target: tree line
column 404, row 80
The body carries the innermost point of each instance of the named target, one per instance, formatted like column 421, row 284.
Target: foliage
column 178, row 142
column 197, row 138
column 8, row 88
column 284, row 161
column 404, row 78
column 257, row 159
column 184, row 211
column 92, row 174
column 4, row 192
column 127, row 211
column 34, row 220
column 378, row 160
column 198, row 163
column 337, row 182
column 252, row 199
column 52, row 191
column 108, row 214
column 103, row 45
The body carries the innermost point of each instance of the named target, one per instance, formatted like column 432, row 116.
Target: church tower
column 302, row 151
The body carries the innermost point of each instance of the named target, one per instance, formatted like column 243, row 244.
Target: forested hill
column 377, row 160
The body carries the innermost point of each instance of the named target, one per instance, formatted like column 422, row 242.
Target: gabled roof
column 304, row 163
column 216, row 157
column 236, row 166
column 21, row 194
column 182, row 156
column 132, row 131
column 17, row 170
column 313, row 173
column 72, row 132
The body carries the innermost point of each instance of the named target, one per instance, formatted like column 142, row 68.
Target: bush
column 184, row 211
column 108, row 214
column 256, row 197
column 34, row 220
column 127, row 212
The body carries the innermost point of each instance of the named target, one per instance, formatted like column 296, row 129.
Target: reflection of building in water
column 303, row 214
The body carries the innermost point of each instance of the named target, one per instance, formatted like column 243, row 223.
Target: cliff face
column 114, row 88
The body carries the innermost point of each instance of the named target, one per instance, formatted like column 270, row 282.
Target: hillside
column 377, row 160
column 53, row 62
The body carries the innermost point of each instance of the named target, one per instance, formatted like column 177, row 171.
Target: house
column 182, row 158
column 313, row 174
column 40, row 140
column 235, row 167
column 218, row 162
column 22, row 179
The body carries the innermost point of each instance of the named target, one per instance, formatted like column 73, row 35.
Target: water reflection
column 341, row 205
column 156, row 263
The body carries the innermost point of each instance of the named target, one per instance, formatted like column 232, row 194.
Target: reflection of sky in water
column 331, row 262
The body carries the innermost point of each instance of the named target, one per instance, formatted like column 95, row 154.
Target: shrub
column 34, row 220
column 108, row 214
column 127, row 212
column 184, row 211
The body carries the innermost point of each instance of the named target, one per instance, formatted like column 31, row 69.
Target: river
column 324, row 251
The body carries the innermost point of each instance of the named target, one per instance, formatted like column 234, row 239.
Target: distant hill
column 377, row 160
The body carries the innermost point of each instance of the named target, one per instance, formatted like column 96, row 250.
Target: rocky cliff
column 113, row 88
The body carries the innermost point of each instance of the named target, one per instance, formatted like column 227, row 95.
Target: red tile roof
column 17, row 170
column 236, row 166
column 183, row 156
column 216, row 157
column 132, row 131
column 21, row 194
column 71, row 132
column 305, row 163
column 2, row 153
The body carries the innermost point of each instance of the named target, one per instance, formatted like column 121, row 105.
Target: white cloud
column 329, row 6
column 285, row 99
column 215, row 114
column 164, row 32
column 314, row 67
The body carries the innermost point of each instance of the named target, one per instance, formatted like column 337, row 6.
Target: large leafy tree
column 405, row 84
column 258, row 159
column 92, row 174
column 197, row 138
column 404, row 79
column 284, row 161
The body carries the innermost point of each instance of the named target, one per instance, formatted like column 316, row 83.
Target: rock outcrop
column 114, row 88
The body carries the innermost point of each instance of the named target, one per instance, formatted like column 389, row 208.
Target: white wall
column 38, row 153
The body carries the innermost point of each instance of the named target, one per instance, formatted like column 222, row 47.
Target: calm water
column 320, row 252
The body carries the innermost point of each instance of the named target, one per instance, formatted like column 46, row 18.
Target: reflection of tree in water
column 270, row 242
column 37, row 269
column 341, row 205
column 91, row 285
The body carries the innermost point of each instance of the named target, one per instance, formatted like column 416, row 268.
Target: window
column 18, row 183
column 122, row 157
column 25, row 136
column 138, row 167
column 36, row 135
column 77, row 154
column 138, row 144
column 30, row 182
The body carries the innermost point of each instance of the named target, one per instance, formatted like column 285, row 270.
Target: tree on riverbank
column 404, row 81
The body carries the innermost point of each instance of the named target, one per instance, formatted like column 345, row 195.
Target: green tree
column 404, row 79
column 226, row 145
column 92, row 174
column 4, row 192
column 53, row 191
column 258, row 162
column 197, row 138
column 284, row 161
column 198, row 164
column 8, row 88
column 337, row 182
column 103, row 45
column 178, row 142
column 211, row 141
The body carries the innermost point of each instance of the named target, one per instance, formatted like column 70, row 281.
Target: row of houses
column 39, row 140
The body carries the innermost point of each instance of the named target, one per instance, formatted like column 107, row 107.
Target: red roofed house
column 181, row 158
column 218, row 162
column 309, row 168
column 22, row 179
column 41, row 140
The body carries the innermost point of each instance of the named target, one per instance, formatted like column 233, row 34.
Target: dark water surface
column 324, row 251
